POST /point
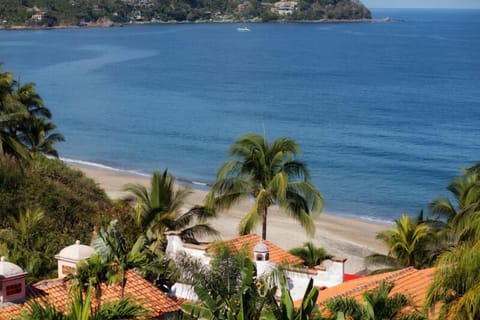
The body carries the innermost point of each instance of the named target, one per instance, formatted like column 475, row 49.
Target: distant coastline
column 133, row 24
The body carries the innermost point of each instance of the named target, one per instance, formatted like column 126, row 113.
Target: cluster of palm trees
column 25, row 125
column 449, row 240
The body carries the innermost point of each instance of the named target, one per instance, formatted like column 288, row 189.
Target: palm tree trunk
column 124, row 282
column 264, row 226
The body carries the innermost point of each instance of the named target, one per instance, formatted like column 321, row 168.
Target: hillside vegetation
column 51, row 13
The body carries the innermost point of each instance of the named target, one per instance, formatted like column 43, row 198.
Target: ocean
column 386, row 114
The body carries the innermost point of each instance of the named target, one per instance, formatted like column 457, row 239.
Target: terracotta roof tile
column 409, row 281
column 277, row 255
column 56, row 292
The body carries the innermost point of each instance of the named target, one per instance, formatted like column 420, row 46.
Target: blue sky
column 474, row 4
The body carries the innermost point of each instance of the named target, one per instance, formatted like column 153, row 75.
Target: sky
column 461, row 4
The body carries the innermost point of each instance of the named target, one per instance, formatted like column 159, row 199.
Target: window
column 14, row 289
column 67, row 269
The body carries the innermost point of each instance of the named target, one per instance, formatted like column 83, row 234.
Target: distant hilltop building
column 284, row 7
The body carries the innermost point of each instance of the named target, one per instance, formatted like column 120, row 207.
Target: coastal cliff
column 69, row 13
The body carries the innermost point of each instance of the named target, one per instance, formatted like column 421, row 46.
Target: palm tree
column 310, row 254
column 376, row 304
column 407, row 243
column 111, row 245
column 9, row 143
column 28, row 96
column 36, row 136
column 271, row 174
column 12, row 112
column 457, row 218
column 228, row 290
column 81, row 308
column 93, row 271
column 159, row 209
column 25, row 243
column 456, row 284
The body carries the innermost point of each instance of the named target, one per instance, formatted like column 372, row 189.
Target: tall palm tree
column 310, row 254
column 271, row 174
column 36, row 136
column 407, row 243
column 455, row 288
column 159, row 209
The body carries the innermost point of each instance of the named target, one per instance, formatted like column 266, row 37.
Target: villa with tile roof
column 56, row 291
column 266, row 256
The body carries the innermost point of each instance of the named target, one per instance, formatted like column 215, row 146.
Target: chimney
column 261, row 258
column 70, row 256
column 12, row 281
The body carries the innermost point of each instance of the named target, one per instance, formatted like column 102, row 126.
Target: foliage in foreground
column 81, row 307
column 376, row 304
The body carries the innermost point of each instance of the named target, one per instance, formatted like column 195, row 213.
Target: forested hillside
column 51, row 13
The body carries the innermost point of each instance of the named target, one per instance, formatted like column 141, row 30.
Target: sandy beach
column 340, row 236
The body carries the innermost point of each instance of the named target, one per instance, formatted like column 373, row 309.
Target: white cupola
column 12, row 281
column 260, row 252
column 70, row 256
column 261, row 258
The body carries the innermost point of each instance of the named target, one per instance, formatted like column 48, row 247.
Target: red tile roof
column 56, row 292
column 249, row 241
column 409, row 281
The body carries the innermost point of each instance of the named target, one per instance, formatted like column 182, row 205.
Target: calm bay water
column 386, row 113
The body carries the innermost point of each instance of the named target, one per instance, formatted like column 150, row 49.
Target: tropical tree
column 93, row 271
column 82, row 308
column 36, row 136
column 376, row 304
column 159, row 209
column 310, row 254
column 111, row 245
column 25, row 241
column 456, row 219
column 227, row 290
column 23, row 120
column 408, row 245
column 284, row 308
column 455, row 289
column 272, row 175
column 12, row 112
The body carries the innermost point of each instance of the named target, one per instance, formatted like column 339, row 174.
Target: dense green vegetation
column 49, row 13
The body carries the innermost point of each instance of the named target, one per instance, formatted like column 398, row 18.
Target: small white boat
column 243, row 29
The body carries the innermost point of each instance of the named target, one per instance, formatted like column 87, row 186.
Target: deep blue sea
column 386, row 113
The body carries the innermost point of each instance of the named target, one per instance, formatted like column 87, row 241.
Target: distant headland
column 96, row 13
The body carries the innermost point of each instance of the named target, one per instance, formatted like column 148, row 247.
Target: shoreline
column 345, row 237
column 134, row 24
